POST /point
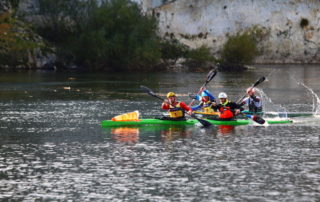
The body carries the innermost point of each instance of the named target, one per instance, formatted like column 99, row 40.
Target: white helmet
column 222, row 95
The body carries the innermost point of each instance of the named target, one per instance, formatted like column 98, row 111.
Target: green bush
column 173, row 50
column 199, row 57
column 240, row 49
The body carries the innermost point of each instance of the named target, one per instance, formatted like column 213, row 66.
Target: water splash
column 315, row 100
column 269, row 106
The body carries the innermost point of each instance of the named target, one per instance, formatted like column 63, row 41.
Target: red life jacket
column 225, row 112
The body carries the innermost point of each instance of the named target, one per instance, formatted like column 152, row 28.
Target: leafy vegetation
column 15, row 46
column 242, row 48
column 111, row 34
column 97, row 34
column 172, row 49
column 199, row 57
column 239, row 49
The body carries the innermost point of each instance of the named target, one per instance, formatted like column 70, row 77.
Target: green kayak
column 110, row 123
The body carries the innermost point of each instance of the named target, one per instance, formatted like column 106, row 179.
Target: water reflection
column 132, row 135
column 225, row 130
column 174, row 133
column 125, row 135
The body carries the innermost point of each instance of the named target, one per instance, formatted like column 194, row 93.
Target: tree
column 113, row 34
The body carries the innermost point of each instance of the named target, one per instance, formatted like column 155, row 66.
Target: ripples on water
column 56, row 150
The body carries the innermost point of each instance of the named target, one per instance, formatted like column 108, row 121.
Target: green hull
column 110, row 123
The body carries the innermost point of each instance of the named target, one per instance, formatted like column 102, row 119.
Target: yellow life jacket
column 206, row 107
column 176, row 111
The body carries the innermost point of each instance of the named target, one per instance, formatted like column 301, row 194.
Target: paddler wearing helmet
column 175, row 108
column 227, row 109
column 206, row 100
column 253, row 102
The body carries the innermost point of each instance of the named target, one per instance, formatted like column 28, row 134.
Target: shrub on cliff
column 199, row 57
column 242, row 48
column 16, row 42
column 239, row 49
column 172, row 49
column 99, row 34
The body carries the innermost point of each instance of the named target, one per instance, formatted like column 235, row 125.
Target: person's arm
column 236, row 107
column 198, row 97
column 244, row 101
column 165, row 105
column 196, row 107
column 212, row 98
column 215, row 106
column 186, row 108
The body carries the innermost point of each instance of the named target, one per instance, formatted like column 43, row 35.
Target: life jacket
column 225, row 111
column 254, row 106
column 176, row 111
column 206, row 106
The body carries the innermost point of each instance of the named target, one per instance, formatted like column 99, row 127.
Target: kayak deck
column 110, row 123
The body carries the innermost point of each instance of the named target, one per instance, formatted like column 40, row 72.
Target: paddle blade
column 256, row 119
column 150, row 92
column 259, row 81
column 147, row 90
column 203, row 122
column 210, row 75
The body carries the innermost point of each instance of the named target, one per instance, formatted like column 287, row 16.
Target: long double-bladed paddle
column 210, row 76
column 254, row 117
column 150, row 92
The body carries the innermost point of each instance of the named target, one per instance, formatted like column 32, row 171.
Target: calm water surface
column 52, row 146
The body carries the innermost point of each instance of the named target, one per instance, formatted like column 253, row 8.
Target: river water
column 52, row 146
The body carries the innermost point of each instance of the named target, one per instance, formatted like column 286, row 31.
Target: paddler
column 227, row 109
column 176, row 109
column 253, row 102
column 206, row 100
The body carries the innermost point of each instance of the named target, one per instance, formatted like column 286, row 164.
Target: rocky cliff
column 293, row 26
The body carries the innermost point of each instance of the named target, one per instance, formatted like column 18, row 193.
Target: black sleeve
column 215, row 108
column 236, row 106
column 255, row 98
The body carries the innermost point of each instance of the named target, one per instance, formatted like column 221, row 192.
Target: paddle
column 254, row 117
column 205, row 113
column 210, row 76
column 150, row 92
